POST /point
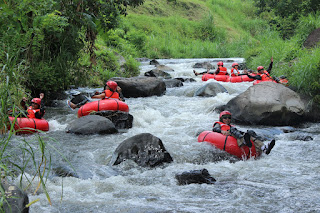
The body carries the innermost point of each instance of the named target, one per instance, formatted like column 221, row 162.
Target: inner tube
column 259, row 81
column 227, row 78
column 228, row 144
column 29, row 125
column 103, row 105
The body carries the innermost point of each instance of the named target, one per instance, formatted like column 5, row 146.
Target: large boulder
column 313, row 39
column 195, row 176
column 144, row 149
column 267, row 103
column 210, row 90
column 141, row 86
column 16, row 199
column 121, row 120
column 92, row 124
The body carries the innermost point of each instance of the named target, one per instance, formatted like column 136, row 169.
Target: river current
column 286, row 180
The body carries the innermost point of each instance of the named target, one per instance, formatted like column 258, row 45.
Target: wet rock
column 173, row 83
column 303, row 138
column 205, row 65
column 195, row 176
column 121, row 120
column 63, row 171
column 210, row 90
column 186, row 79
column 144, row 149
column 157, row 73
column 92, row 124
column 141, row 86
column 164, row 68
column 16, row 199
column 154, row 62
column 267, row 103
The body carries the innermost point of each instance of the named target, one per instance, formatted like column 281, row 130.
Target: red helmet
column 36, row 100
column 112, row 85
column 235, row 64
column 224, row 113
column 220, row 63
column 260, row 68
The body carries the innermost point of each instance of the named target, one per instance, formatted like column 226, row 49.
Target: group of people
column 224, row 126
column 262, row 74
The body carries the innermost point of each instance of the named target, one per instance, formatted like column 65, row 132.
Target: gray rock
column 92, row 124
column 121, row 120
column 157, row 73
column 16, row 199
column 173, row 83
column 141, row 86
column 195, row 176
column 267, row 103
column 144, row 149
column 210, row 90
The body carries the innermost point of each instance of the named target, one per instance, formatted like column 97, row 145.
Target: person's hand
column 271, row 59
column 24, row 99
column 226, row 133
column 41, row 96
column 119, row 89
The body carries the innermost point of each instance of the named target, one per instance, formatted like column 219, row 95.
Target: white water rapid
column 287, row 180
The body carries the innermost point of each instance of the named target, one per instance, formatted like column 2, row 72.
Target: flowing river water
column 287, row 180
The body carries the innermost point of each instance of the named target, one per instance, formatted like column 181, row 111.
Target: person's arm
column 41, row 113
column 100, row 96
column 256, row 77
column 270, row 66
column 121, row 97
column 216, row 128
column 217, row 71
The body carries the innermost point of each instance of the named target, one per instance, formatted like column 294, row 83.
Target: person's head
column 112, row 85
column 220, row 63
column 225, row 117
column 36, row 103
column 235, row 64
column 260, row 69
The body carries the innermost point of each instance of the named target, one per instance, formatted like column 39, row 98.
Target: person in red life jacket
column 263, row 75
column 112, row 90
column 36, row 110
column 224, row 127
column 235, row 70
column 221, row 70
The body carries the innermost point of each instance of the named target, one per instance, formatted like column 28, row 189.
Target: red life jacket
column 224, row 127
column 110, row 94
column 284, row 82
column 265, row 76
column 234, row 71
column 32, row 112
column 222, row 71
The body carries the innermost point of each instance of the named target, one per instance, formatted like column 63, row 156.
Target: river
column 287, row 180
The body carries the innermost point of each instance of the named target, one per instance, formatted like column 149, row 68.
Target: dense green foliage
column 47, row 37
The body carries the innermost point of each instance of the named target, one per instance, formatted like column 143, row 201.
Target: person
column 263, row 75
column 235, row 69
column 224, row 127
column 221, row 70
column 111, row 90
column 36, row 110
column 77, row 100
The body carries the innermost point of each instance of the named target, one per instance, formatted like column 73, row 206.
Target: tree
column 49, row 34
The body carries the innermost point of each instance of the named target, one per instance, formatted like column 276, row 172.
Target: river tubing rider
column 263, row 75
column 221, row 70
column 235, row 69
column 36, row 110
column 112, row 90
column 224, row 127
